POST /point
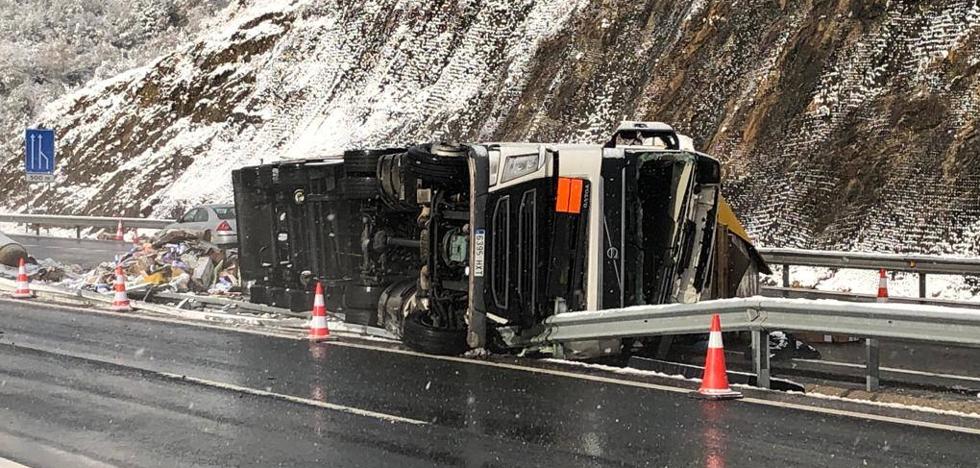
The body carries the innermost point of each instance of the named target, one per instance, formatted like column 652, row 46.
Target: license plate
column 479, row 249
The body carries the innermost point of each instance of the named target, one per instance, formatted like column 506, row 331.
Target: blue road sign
column 39, row 155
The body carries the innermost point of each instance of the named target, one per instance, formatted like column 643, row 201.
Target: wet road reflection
column 714, row 434
column 479, row 415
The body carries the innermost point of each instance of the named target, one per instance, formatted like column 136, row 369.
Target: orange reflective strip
column 575, row 197
column 561, row 198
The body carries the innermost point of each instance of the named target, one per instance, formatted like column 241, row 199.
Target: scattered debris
column 173, row 260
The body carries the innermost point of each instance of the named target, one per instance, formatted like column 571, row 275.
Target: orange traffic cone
column 119, row 231
column 882, row 286
column 121, row 302
column 318, row 323
column 23, row 290
column 714, row 383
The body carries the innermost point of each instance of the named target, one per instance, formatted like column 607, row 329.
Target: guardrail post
column 872, row 362
column 78, row 232
column 760, row 357
column 922, row 285
column 785, row 276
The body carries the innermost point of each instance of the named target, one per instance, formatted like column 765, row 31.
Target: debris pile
column 174, row 260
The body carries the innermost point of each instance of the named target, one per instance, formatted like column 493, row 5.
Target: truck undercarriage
column 442, row 243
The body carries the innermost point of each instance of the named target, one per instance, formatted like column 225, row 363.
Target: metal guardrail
column 759, row 315
column 79, row 222
column 873, row 261
column 804, row 293
column 921, row 264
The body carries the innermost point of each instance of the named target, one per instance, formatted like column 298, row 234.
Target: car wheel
column 439, row 165
column 361, row 188
column 420, row 335
column 207, row 235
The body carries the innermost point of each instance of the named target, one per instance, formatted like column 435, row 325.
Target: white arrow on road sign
column 40, row 155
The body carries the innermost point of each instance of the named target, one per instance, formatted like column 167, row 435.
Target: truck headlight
column 517, row 166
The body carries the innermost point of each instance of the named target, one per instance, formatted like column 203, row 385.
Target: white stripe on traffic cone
column 23, row 290
column 120, row 301
column 882, row 286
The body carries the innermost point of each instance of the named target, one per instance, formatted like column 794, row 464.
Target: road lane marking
column 43, row 453
column 560, row 373
column 5, row 463
column 680, row 390
column 860, row 415
column 155, row 318
column 293, row 399
column 233, row 387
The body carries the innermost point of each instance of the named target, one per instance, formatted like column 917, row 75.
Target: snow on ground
column 952, row 287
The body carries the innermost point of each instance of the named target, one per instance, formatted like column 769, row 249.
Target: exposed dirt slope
column 847, row 123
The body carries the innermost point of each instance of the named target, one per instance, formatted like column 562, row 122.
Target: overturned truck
column 443, row 243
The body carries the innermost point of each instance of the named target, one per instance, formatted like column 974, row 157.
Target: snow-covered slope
column 844, row 123
column 48, row 47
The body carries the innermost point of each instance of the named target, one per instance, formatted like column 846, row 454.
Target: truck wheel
column 361, row 188
column 398, row 186
column 394, row 303
column 420, row 335
column 365, row 162
column 439, row 165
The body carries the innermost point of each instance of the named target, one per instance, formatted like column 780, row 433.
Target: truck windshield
column 661, row 210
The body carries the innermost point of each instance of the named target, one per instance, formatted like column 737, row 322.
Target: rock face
column 842, row 124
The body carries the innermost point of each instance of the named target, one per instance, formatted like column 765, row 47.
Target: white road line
column 41, row 453
column 593, row 378
column 665, row 388
column 504, row 365
column 859, row 415
column 294, row 399
column 241, row 389
column 5, row 463
column 153, row 318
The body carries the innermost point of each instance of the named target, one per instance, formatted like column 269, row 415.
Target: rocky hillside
column 842, row 123
column 50, row 46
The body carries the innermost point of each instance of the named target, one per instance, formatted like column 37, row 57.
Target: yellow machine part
column 727, row 218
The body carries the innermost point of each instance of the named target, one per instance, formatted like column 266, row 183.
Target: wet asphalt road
column 81, row 389
column 85, row 252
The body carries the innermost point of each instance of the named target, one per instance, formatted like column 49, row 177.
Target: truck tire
column 397, row 185
column 361, row 188
column 420, row 335
column 439, row 165
column 365, row 162
column 393, row 304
